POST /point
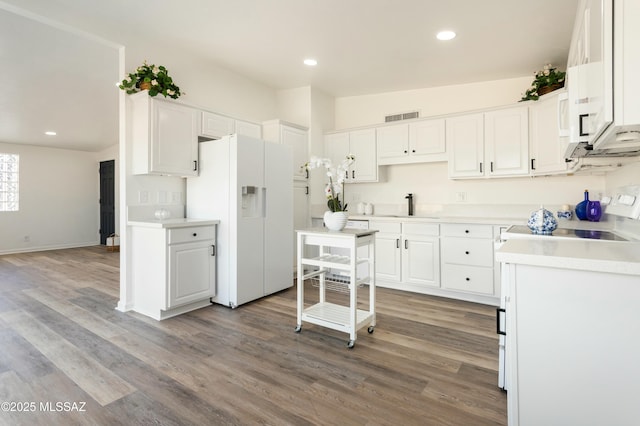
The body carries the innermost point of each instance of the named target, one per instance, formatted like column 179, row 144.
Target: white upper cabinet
column 427, row 140
column 216, row 126
column 416, row 142
column 297, row 137
column 506, row 141
column 360, row 143
column 164, row 136
column 336, row 148
column 247, row 128
column 465, row 137
column 547, row 125
column 492, row 144
column 393, row 143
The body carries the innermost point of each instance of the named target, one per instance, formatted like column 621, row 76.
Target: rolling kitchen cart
column 348, row 319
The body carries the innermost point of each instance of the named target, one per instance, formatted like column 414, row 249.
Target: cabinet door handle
column 413, row 150
column 491, row 166
column 498, row 330
column 346, row 174
column 480, row 167
column 213, row 250
column 306, row 190
column 406, row 244
column 533, row 164
column 353, row 174
column 195, row 165
column 397, row 242
column 307, row 173
column 405, row 151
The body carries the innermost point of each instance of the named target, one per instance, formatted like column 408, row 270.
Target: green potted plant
column 153, row 78
column 546, row 80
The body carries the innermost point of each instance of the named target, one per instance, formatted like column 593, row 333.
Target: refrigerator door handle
column 264, row 202
column 498, row 328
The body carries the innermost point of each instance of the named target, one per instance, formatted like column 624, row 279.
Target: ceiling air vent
column 401, row 116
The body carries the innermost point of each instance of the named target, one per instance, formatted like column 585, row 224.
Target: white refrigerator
column 247, row 184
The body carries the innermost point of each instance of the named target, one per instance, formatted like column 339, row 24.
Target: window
column 9, row 182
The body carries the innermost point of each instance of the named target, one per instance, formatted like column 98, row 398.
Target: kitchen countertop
column 441, row 219
column 596, row 256
column 172, row 223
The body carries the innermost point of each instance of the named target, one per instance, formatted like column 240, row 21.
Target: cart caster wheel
column 298, row 329
column 370, row 329
column 351, row 344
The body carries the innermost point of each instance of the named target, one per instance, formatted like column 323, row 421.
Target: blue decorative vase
column 594, row 211
column 542, row 222
column 581, row 207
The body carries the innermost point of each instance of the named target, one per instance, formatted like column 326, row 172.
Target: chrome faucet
column 409, row 198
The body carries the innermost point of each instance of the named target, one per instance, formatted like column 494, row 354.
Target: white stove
column 521, row 231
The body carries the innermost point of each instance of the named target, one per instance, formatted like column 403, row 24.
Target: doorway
column 107, row 200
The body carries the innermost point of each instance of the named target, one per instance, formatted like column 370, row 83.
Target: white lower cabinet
column 572, row 349
column 173, row 269
column 407, row 255
column 445, row 259
column 421, row 254
column 467, row 258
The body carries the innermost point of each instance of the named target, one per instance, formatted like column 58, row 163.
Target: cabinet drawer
column 467, row 230
column 385, row 227
column 472, row 279
column 467, row 251
column 192, row 233
column 431, row 229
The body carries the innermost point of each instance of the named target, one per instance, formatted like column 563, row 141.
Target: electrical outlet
column 143, row 197
column 176, row 197
column 461, row 197
column 355, row 196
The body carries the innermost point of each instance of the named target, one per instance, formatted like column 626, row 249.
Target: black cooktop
column 593, row 234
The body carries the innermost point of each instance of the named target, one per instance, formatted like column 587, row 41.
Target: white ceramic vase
column 335, row 221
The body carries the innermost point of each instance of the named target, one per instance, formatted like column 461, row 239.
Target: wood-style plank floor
column 68, row 357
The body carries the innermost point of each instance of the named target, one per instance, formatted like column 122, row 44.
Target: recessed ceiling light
column 446, row 35
column 310, row 62
column 50, row 133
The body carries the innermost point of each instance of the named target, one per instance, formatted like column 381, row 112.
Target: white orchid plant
column 337, row 176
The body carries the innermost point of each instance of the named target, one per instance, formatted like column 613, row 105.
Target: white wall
column 59, row 192
column 354, row 111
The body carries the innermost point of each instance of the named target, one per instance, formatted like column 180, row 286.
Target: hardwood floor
column 430, row 361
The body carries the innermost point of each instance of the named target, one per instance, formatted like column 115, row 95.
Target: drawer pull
column 466, row 252
column 468, row 279
column 195, row 235
column 466, row 231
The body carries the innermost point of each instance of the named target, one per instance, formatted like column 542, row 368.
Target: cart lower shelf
column 337, row 317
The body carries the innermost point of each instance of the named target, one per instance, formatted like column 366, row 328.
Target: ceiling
column 64, row 81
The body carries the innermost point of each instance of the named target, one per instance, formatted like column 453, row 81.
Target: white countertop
column 597, row 256
column 442, row 219
column 172, row 223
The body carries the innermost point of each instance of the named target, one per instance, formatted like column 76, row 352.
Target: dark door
column 107, row 200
